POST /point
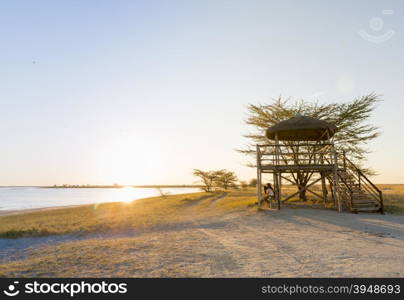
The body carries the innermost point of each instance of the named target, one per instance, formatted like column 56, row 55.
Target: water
column 16, row 198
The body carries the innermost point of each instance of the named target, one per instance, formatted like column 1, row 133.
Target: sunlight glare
column 126, row 160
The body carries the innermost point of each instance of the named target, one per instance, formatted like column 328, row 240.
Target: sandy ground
column 312, row 242
column 292, row 242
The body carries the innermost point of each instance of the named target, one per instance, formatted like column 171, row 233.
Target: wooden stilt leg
column 279, row 190
column 336, row 183
column 324, row 188
column 259, row 187
column 332, row 193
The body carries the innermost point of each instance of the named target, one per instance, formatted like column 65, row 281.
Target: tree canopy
column 351, row 118
column 220, row 178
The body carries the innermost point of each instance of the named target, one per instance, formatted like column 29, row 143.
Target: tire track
column 199, row 200
column 256, row 254
column 218, row 198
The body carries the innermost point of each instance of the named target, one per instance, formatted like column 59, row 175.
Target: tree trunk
column 301, row 185
column 302, row 193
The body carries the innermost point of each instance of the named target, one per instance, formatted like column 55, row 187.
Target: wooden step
column 364, row 201
column 363, row 198
column 365, row 205
column 366, row 209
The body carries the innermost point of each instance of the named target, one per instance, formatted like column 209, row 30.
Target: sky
column 143, row 92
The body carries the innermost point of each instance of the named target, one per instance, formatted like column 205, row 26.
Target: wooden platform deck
column 293, row 168
column 349, row 186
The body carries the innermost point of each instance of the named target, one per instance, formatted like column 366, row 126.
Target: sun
column 127, row 194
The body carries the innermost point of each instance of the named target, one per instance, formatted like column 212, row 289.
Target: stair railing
column 348, row 191
column 363, row 181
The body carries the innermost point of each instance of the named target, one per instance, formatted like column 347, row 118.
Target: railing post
column 336, row 184
column 279, row 190
column 381, row 202
column 277, row 149
column 277, row 172
column 359, row 178
column 351, row 198
column 344, row 157
column 324, row 188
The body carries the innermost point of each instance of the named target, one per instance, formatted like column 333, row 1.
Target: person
column 268, row 193
column 268, row 189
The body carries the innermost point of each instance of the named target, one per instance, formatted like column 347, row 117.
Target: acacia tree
column 351, row 118
column 225, row 179
column 243, row 185
column 253, row 182
column 221, row 178
column 207, row 178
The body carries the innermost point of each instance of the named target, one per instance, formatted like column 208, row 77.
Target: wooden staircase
column 357, row 193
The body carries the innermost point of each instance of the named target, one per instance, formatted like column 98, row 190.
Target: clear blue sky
column 142, row 92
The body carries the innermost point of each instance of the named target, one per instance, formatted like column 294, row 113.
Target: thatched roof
column 301, row 128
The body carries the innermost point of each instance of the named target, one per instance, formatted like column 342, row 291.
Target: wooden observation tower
column 302, row 150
